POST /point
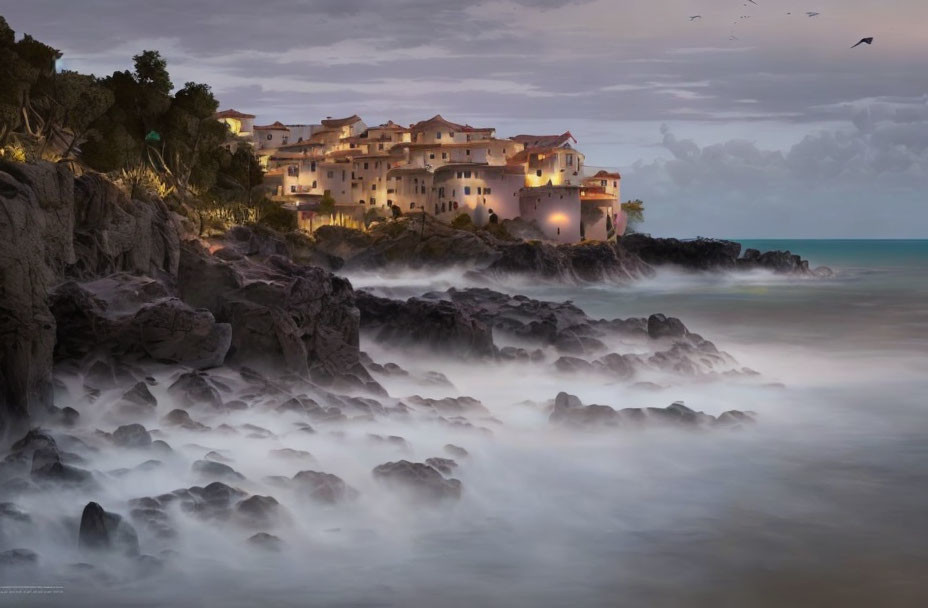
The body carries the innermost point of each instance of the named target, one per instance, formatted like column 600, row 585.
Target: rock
column 18, row 557
column 291, row 454
column 436, row 325
column 194, row 389
column 572, row 365
column 179, row 417
column 660, row 326
column 93, row 531
column 456, row 451
column 140, row 395
column 47, row 467
column 132, row 436
column 216, row 470
column 265, row 541
column 259, row 510
column 418, row 479
column 171, row 332
column 445, row 466
column 323, row 487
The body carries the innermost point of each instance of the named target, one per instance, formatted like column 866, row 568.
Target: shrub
column 274, row 216
column 462, row 221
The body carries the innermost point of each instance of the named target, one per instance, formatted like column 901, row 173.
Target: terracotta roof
column 392, row 126
column 278, row 171
column 596, row 196
column 406, row 169
column 436, row 121
column 608, row 174
column 294, row 156
column 544, row 141
column 343, row 154
column 230, row 113
column 277, row 126
column 302, row 144
column 340, row 122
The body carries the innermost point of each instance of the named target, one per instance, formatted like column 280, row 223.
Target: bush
column 274, row 216
column 462, row 221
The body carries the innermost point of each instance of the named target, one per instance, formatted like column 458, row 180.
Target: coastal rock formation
column 569, row 411
column 418, row 480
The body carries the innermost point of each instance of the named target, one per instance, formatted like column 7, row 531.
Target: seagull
column 695, row 17
column 864, row 41
column 812, row 14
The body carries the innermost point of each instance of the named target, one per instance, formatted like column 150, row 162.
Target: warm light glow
column 557, row 218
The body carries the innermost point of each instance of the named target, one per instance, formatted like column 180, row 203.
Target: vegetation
column 462, row 221
column 132, row 125
column 635, row 212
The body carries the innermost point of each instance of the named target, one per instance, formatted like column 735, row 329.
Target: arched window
column 412, row 205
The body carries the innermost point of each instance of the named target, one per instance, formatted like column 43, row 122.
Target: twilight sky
column 749, row 122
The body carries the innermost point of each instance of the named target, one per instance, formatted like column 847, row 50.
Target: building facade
column 437, row 167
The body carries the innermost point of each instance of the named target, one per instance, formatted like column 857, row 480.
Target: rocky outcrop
column 569, row 411
column 439, row 325
column 418, row 480
column 104, row 531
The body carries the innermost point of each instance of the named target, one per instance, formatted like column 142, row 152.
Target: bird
column 812, row 14
column 695, row 17
column 864, row 41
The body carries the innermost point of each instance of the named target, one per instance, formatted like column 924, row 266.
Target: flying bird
column 695, row 17
column 812, row 14
column 864, row 41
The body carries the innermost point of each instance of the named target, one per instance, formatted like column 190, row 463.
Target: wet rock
column 259, row 510
column 437, row 325
column 456, row 451
column 172, row 332
column 140, row 395
column 291, row 454
column 217, row 457
column 445, row 466
column 265, row 541
column 180, row 418
column 194, row 389
column 101, row 530
column 449, row 405
column 573, row 365
column 394, row 440
column 10, row 512
column 18, row 557
column 418, row 479
column 322, row 487
column 132, row 436
column 47, row 467
column 661, row 326
column 216, row 470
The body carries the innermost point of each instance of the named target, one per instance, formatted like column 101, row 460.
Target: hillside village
column 434, row 166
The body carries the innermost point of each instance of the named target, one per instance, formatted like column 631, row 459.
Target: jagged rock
column 449, row 405
column 661, row 326
column 132, row 436
column 394, row 440
column 437, row 325
column 456, row 451
column 47, row 467
column 193, row 389
column 322, row 487
column 570, row 411
column 445, row 466
column 172, row 332
column 101, row 530
column 572, row 365
column 418, row 479
column 140, row 395
column 216, row 470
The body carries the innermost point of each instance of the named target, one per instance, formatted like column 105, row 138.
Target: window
column 270, row 137
column 373, row 186
column 312, row 166
column 466, row 190
column 467, row 174
column 423, row 188
column 380, row 146
column 292, row 189
column 389, row 202
column 538, row 173
column 570, row 160
column 284, row 139
column 377, row 165
column 455, row 204
column 436, row 208
column 438, row 135
column 412, row 205
column 365, row 166
column 373, row 201
column 479, row 190
column 330, row 174
column 615, row 184
column 460, row 174
column 432, row 156
column 314, row 183
column 443, row 207
column 467, row 152
column 486, row 191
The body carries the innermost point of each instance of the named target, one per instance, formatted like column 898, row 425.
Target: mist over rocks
column 569, row 411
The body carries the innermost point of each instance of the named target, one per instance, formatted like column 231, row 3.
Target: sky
column 754, row 120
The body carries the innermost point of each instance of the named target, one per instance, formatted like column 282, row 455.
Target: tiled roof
column 544, row 141
column 436, row 121
column 523, row 156
column 277, row 126
column 230, row 113
column 608, row 174
column 334, row 123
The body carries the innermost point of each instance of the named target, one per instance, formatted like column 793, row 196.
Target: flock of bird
column 868, row 40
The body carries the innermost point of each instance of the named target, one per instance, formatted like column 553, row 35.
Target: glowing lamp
column 557, row 218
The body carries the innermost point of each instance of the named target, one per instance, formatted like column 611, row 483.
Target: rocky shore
column 132, row 349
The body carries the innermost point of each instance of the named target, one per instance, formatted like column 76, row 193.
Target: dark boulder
column 103, row 531
column 419, row 480
column 195, row 389
column 209, row 469
column 445, row 466
column 661, row 326
column 132, row 436
column 322, row 487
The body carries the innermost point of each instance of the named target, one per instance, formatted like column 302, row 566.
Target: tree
column 635, row 212
column 152, row 70
column 326, row 205
column 245, row 169
column 81, row 101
